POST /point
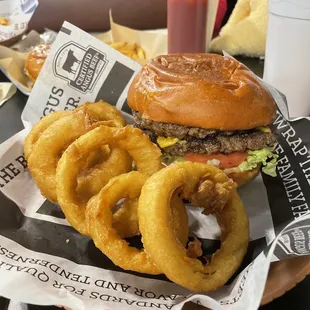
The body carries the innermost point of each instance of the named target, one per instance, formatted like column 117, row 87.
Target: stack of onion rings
column 82, row 158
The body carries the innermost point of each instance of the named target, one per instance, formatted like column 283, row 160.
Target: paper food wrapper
column 12, row 60
column 17, row 14
column 54, row 264
column 153, row 43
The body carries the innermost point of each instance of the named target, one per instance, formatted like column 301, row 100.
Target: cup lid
column 299, row 9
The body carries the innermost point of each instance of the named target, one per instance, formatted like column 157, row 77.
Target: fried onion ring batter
column 125, row 219
column 39, row 128
column 99, row 220
column 145, row 154
column 60, row 134
column 160, row 242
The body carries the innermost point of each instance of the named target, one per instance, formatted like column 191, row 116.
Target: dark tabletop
column 10, row 123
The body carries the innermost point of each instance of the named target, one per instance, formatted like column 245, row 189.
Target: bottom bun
column 29, row 76
column 242, row 177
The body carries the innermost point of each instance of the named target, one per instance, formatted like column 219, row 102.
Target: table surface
column 10, row 123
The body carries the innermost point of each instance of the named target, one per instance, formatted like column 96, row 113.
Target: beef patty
column 204, row 141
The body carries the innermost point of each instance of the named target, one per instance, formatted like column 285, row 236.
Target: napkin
column 7, row 90
column 246, row 30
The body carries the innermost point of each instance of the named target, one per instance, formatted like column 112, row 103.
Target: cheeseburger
column 35, row 60
column 206, row 108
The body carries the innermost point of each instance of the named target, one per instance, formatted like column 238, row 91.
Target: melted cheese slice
column 165, row 142
column 264, row 129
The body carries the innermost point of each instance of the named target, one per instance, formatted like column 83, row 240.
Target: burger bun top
column 201, row 90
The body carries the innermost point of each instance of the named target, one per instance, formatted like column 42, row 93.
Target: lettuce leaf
column 264, row 156
column 169, row 159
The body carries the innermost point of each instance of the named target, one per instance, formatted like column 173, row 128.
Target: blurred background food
column 35, row 60
column 4, row 21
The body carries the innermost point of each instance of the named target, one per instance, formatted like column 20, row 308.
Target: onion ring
column 39, row 128
column 55, row 139
column 96, row 158
column 160, row 242
column 145, row 154
column 125, row 219
column 194, row 249
column 91, row 180
column 99, row 220
column 126, row 222
column 44, row 123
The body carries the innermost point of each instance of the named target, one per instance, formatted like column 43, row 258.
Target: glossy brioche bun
column 201, row 90
column 35, row 60
column 242, row 177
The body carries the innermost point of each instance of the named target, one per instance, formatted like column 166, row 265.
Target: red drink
column 187, row 26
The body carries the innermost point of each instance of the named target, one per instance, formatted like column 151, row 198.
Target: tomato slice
column 226, row 161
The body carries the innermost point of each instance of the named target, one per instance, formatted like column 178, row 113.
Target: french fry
column 4, row 21
column 118, row 45
column 133, row 51
column 140, row 53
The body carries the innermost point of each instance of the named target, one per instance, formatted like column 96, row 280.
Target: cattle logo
column 296, row 241
column 80, row 66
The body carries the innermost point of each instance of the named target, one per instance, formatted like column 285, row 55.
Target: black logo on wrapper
column 296, row 241
column 80, row 66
